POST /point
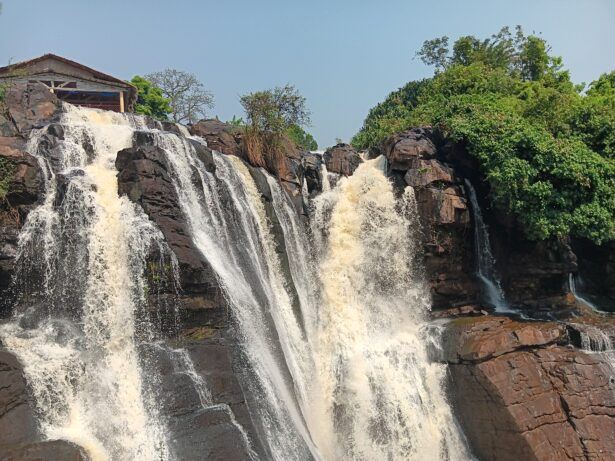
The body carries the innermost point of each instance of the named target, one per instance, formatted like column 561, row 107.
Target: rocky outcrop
column 143, row 176
column 415, row 160
column 219, row 136
column 51, row 450
column 21, row 182
column 17, row 419
column 521, row 393
column 342, row 159
column 205, row 330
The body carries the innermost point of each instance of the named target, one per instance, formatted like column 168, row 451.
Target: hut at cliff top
column 73, row 82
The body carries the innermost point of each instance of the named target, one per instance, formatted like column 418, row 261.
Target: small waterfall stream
column 485, row 271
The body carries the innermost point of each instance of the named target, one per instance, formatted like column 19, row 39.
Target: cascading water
column 486, row 271
column 331, row 323
column 572, row 286
column 336, row 360
column 81, row 311
column 381, row 396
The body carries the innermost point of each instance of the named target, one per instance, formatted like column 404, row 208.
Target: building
column 73, row 82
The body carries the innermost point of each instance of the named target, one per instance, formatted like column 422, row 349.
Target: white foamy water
column 382, row 398
column 336, row 361
column 78, row 341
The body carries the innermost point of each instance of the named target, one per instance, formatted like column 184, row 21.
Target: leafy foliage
column 272, row 117
column 188, row 98
column 546, row 150
column 301, row 138
column 150, row 100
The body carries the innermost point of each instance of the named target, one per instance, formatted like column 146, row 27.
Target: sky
column 344, row 56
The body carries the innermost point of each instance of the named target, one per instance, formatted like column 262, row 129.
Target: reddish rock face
column 403, row 150
column 342, row 159
column 444, row 215
column 521, row 394
column 220, row 136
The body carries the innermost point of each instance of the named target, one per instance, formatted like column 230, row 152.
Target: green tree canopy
column 546, row 149
column 150, row 100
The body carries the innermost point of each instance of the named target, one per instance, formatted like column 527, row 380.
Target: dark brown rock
column 24, row 183
column 220, row 136
column 17, row 419
column 26, row 107
column 51, row 450
column 520, row 394
column 342, row 159
column 403, row 150
column 143, row 176
column 415, row 160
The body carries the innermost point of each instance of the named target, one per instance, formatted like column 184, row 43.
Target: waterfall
column 486, row 271
column 324, row 177
column 330, row 317
column 81, row 314
column 381, row 398
column 597, row 341
column 572, row 286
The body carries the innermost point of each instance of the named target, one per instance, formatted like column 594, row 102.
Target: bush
column 150, row 100
column 546, row 150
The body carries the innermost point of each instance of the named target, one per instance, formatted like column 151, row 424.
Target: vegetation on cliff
column 273, row 118
column 546, row 148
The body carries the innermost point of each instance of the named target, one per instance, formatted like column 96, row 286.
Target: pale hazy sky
column 343, row 55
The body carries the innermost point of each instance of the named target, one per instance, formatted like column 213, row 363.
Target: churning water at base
column 82, row 290
column 486, row 271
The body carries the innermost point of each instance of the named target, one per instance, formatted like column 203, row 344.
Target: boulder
column 17, row 418
column 403, row 150
column 342, row 159
column 219, row 136
column 520, row 393
column 27, row 107
column 50, row 450
column 312, row 169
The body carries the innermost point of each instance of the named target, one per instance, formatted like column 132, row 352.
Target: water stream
column 485, row 262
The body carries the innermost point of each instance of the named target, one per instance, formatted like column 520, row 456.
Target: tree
column 150, row 100
column 273, row 111
column 546, row 151
column 270, row 114
column 301, row 138
column 187, row 96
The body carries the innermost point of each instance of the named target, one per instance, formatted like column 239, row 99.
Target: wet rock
column 342, row 159
column 21, row 185
column 51, row 450
column 17, row 418
column 311, row 164
column 521, row 394
column 143, row 176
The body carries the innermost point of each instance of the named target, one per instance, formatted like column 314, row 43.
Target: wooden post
column 121, row 101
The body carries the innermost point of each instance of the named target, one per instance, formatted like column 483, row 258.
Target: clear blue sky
column 343, row 55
